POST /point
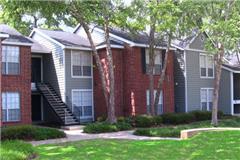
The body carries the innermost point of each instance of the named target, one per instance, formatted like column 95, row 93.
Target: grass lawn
column 208, row 145
column 174, row 131
column 16, row 150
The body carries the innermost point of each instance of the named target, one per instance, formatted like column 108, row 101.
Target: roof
column 185, row 42
column 138, row 37
column 66, row 38
column 38, row 48
column 14, row 36
column 232, row 67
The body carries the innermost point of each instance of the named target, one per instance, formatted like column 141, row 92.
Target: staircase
column 62, row 111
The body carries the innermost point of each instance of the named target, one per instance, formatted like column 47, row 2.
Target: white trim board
column 16, row 43
column 228, row 69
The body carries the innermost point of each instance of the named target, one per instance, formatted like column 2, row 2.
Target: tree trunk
column 219, row 61
column 95, row 54
column 111, row 106
column 163, row 73
column 151, row 65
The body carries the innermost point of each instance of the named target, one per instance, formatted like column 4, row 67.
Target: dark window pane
column 147, row 69
column 158, row 69
column 77, row 70
column 204, row 106
column 87, row 71
column 159, row 109
column 87, row 110
column 210, row 106
column 210, row 72
column 203, row 72
column 148, row 108
column 14, row 114
column 3, row 67
column 13, row 68
column 77, row 110
column 4, row 114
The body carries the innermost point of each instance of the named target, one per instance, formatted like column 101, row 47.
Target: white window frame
column 147, row 60
column 160, row 98
column 6, row 60
column 8, row 108
column 73, row 76
column 82, row 90
column 206, row 59
column 208, row 99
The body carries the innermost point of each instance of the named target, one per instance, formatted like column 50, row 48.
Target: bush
column 144, row 121
column 28, row 132
column 201, row 115
column 157, row 120
column 122, row 126
column 101, row 119
column 158, row 132
column 177, row 118
column 100, row 127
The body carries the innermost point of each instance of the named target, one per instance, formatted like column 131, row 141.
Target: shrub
column 100, row 127
column 157, row 120
column 201, row 115
column 101, row 119
column 178, row 118
column 28, row 132
column 122, row 126
column 144, row 121
column 158, row 132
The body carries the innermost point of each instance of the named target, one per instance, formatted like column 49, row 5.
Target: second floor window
column 10, row 60
column 81, row 64
column 206, row 66
column 206, row 99
column 158, row 62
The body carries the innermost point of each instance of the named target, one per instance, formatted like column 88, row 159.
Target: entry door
column 36, row 108
column 36, row 70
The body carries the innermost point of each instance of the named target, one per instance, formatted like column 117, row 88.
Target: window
column 82, row 103
column 206, row 66
column 158, row 62
column 10, row 60
column 206, row 99
column 10, row 106
column 159, row 109
column 81, row 64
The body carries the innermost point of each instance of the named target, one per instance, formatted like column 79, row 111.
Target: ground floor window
column 82, row 103
column 159, row 109
column 206, row 99
column 10, row 106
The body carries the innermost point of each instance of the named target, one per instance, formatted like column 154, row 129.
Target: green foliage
column 157, row 120
column 28, row 132
column 16, row 150
column 122, row 126
column 100, row 127
column 174, row 131
column 177, row 118
column 101, row 118
column 144, row 121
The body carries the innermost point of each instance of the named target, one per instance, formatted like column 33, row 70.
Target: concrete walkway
column 78, row 135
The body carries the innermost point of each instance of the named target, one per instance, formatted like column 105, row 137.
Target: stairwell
column 61, row 109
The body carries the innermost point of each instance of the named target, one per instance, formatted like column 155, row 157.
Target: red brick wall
column 99, row 101
column 22, row 84
column 131, row 84
column 136, row 83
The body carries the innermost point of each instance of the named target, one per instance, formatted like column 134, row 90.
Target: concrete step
column 72, row 127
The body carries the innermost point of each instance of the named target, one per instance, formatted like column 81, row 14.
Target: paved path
column 77, row 135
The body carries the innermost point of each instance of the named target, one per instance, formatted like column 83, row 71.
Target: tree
column 102, row 13
column 220, row 20
column 164, row 18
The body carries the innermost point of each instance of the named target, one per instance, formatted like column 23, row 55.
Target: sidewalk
column 78, row 135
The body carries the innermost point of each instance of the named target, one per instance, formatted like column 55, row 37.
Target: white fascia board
column 112, row 46
column 228, row 69
column 17, row 43
column 78, row 48
column 76, row 28
column 2, row 35
column 175, row 46
column 147, row 46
